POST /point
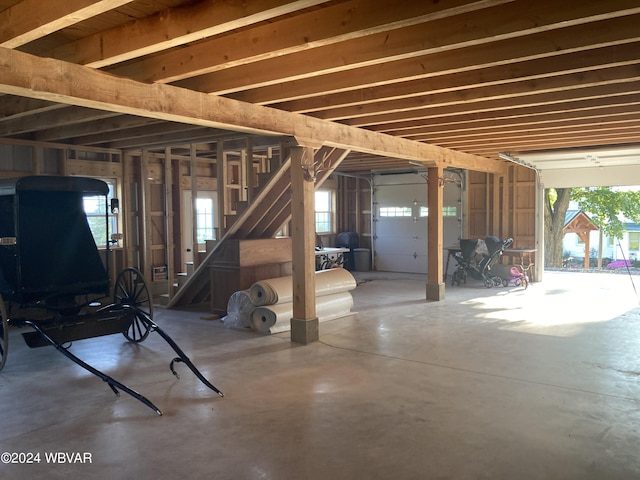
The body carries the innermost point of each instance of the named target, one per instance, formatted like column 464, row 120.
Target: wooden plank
column 501, row 53
column 29, row 20
column 64, row 116
column 171, row 28
column 263, row 251
column 48, row 79
column 91, row 168
column 500, row 82
column 366, row 47
column 289, row 34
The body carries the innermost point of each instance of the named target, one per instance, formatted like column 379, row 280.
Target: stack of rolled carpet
column 267, row 306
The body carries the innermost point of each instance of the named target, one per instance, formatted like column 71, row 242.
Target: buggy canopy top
column 84, row 185
column 47, row 249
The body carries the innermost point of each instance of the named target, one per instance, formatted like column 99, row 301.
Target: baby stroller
column 476, row 257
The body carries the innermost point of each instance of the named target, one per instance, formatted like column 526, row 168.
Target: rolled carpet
column 276, row 318
column 280, row 290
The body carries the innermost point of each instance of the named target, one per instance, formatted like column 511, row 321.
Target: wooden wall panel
column 502, row 206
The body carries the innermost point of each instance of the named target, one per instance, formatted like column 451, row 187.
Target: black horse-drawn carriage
column 54, row 280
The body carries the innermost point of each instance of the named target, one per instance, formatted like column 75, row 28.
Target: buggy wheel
column 488, row 283
column 4, row 333
column 131, row 291
column 505, row 283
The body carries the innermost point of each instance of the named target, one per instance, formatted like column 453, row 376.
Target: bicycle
column 520, row 276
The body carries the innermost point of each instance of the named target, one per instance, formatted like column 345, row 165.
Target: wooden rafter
column 20, row 24
column 48, row 79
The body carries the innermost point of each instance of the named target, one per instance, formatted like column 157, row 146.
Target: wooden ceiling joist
column 375, row 76
column 20, row 24
column 49, row 79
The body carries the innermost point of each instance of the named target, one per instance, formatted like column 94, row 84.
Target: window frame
column 113, row 222
column 330, row 214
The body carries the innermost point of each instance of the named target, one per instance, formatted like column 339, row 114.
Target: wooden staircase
column 269, row 210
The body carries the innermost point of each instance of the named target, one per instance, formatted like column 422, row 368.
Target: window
column 396, row 212
column 96, row 208
column 204, row 220
column 449, row 211
column 634, row 240
column 324, row 211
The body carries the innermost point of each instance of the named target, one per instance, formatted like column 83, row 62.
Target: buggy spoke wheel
column 131, row 291
column 4, row 333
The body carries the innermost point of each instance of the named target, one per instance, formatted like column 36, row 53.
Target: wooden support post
column 585, row 238
column 496, row 209
column 168, row 218
column 435, row 249
column 143, row 216
column 126, row 208
column 193, row 167
column 248, row 172
column 304, row 324
column 221, row 175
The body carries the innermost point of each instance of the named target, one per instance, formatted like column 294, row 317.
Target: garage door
column 400, row 237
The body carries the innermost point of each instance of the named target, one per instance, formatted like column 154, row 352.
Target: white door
column 400, row 238
column 207, row 223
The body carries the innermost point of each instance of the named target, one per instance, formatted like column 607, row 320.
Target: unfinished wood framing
column 304, row 324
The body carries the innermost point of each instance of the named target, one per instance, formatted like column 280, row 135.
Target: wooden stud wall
column 502, row 205
column 354, row 208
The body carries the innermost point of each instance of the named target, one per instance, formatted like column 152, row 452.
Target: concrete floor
column 489, row 383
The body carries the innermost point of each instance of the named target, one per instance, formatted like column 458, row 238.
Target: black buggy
column 54, row 281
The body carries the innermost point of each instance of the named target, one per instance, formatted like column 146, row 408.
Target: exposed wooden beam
column 503, row 107
column 12, row 107
column 554, row 140
column 519, row 98
column 29, row 20
column 61, row 116
column 619, row 31
column 49, row 79
column 603, row 66
column 461, row 139
column 564, row 114
column 504, row 22
column 328, row 26
column 99, row 131
column 171, row 28
column 191, row 134
column 133, row 132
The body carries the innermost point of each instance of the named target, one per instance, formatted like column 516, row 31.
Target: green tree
column 556, row 203
column 608, row 208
